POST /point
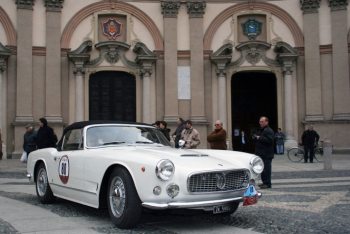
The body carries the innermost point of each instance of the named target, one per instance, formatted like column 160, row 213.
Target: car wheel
column 124, row 205
column 42, row 186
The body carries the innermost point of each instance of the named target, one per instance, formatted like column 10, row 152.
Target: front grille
column 219, row 181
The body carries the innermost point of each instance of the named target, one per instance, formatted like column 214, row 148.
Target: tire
column 319, row 155
column 295, row 154
column 42, row 186
column 123, row 202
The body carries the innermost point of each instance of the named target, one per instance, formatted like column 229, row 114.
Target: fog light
column 173, row 190
column 157, row 190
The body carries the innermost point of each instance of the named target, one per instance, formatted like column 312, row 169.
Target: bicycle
column 296, row 154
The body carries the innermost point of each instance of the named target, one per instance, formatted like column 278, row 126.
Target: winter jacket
column 217, row 139
column 310, row 138
column 264, row 145
column 191, row 137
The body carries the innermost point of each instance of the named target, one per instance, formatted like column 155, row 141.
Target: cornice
column 53, row 5
column 25, row 4
column 196, row 9
column 310, row 6
column 338, row 5
column 170, row 8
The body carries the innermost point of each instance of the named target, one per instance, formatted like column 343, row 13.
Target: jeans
column 280, row 149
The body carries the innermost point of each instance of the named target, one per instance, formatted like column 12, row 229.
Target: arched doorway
column 253, row 94
column 112, row 96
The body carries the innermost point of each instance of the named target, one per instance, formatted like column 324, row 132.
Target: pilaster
column 340, row 60
column 170, row 11
column 53, row 110
column 25, row 4
column 196, row 10
column 314, row 111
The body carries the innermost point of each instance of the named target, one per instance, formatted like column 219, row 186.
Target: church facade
column 147, row 60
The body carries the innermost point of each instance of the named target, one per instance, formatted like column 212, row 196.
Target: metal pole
column 327, row 154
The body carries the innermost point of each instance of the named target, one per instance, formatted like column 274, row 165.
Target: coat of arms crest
column 111, row 28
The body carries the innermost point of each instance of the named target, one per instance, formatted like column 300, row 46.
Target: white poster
column 183, row 82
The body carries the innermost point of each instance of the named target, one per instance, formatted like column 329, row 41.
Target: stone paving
column 304, row 199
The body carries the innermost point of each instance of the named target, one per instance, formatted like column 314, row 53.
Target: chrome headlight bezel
column 165, row 169
column 257, row 165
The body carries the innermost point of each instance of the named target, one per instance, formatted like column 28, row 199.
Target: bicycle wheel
column 319, row 155
column 295, row 154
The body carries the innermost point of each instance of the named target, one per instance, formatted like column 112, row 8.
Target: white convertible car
column 128, row 167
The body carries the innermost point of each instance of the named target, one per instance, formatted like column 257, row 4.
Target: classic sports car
column 128, row 167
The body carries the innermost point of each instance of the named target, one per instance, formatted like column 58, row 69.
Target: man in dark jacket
column 217, row 138
column 264, row 148
column 46, row 137
column 29, row 140
column 309, row 140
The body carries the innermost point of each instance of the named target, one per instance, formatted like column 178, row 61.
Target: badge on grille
column 220, row 180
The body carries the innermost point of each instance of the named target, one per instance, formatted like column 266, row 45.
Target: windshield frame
column 158, row 137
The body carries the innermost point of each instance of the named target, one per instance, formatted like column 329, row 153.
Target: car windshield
column 112, row 135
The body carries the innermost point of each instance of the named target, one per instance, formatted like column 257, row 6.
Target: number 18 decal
column 63, row 169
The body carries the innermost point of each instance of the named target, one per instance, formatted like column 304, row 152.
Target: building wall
column 284, row 19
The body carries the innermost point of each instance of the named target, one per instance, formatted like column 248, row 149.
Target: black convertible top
column 82, row 124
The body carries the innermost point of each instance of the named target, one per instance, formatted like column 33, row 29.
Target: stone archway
column 10, row 30
column 273, row 9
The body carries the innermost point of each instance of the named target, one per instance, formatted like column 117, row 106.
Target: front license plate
column 221, row 209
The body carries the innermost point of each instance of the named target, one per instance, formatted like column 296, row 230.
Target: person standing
column 190, row 136
column 217, row 138
column 265, row 150
column 29, row 140
column 177, row 134
column 309, row 140
column 163, row 128
column 279, row 140
column 243, row 141
column 46, row 137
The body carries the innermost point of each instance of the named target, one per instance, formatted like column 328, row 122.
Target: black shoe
column 260, row 184
column 265, row 186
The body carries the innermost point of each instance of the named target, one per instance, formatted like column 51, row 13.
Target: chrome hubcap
column 117, row 197
column 41, row 183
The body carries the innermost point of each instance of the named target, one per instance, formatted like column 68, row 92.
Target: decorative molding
column 145, row 58
column 110, row 50
column 338, row 5
column 54, row 5
column 274, row 10
column 310, row 6
column 4, row 54
column 196, row 9
column 108, row 6
column 254, row 51
column 222, row 57
column 10, row 30
column 170, row 8
column 80, row 57
column 25, row 4
column 286, row 55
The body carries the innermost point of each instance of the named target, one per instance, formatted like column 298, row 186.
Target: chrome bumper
column 189, row 205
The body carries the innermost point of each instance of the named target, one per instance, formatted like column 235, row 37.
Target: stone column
column 53, row 98
column 4, row 54
column 312, row 60
column 170, row 10
column 146, row 95
column 222, row 108
column 79, row 61
column 195, row 10
column 341, row 85
column 24, row 91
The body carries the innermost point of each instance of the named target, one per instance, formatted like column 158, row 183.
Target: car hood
column 203, row 160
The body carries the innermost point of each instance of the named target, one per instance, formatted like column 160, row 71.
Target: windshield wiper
column 114, row 143
column 143, row 142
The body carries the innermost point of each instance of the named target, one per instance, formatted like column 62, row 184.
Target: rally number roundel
column 63, row 169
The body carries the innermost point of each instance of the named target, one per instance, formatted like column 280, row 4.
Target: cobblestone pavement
column 299, row 202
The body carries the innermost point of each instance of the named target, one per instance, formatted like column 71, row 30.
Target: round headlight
column 165, row 169
column 257, row 165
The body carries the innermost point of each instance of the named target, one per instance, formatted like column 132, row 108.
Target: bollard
column 327, row 154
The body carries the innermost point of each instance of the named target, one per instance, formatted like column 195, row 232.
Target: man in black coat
column 264, row 148
column 309, row 140
column 45, row 136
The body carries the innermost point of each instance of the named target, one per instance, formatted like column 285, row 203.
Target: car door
column 69, row 163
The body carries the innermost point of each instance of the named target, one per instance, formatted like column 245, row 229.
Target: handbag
column 24, row 157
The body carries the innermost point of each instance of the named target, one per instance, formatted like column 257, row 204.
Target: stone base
column 341, row 117
column 290, row 143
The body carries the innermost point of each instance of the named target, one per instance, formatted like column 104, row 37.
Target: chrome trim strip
column 75, row 189
column 162, row 206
